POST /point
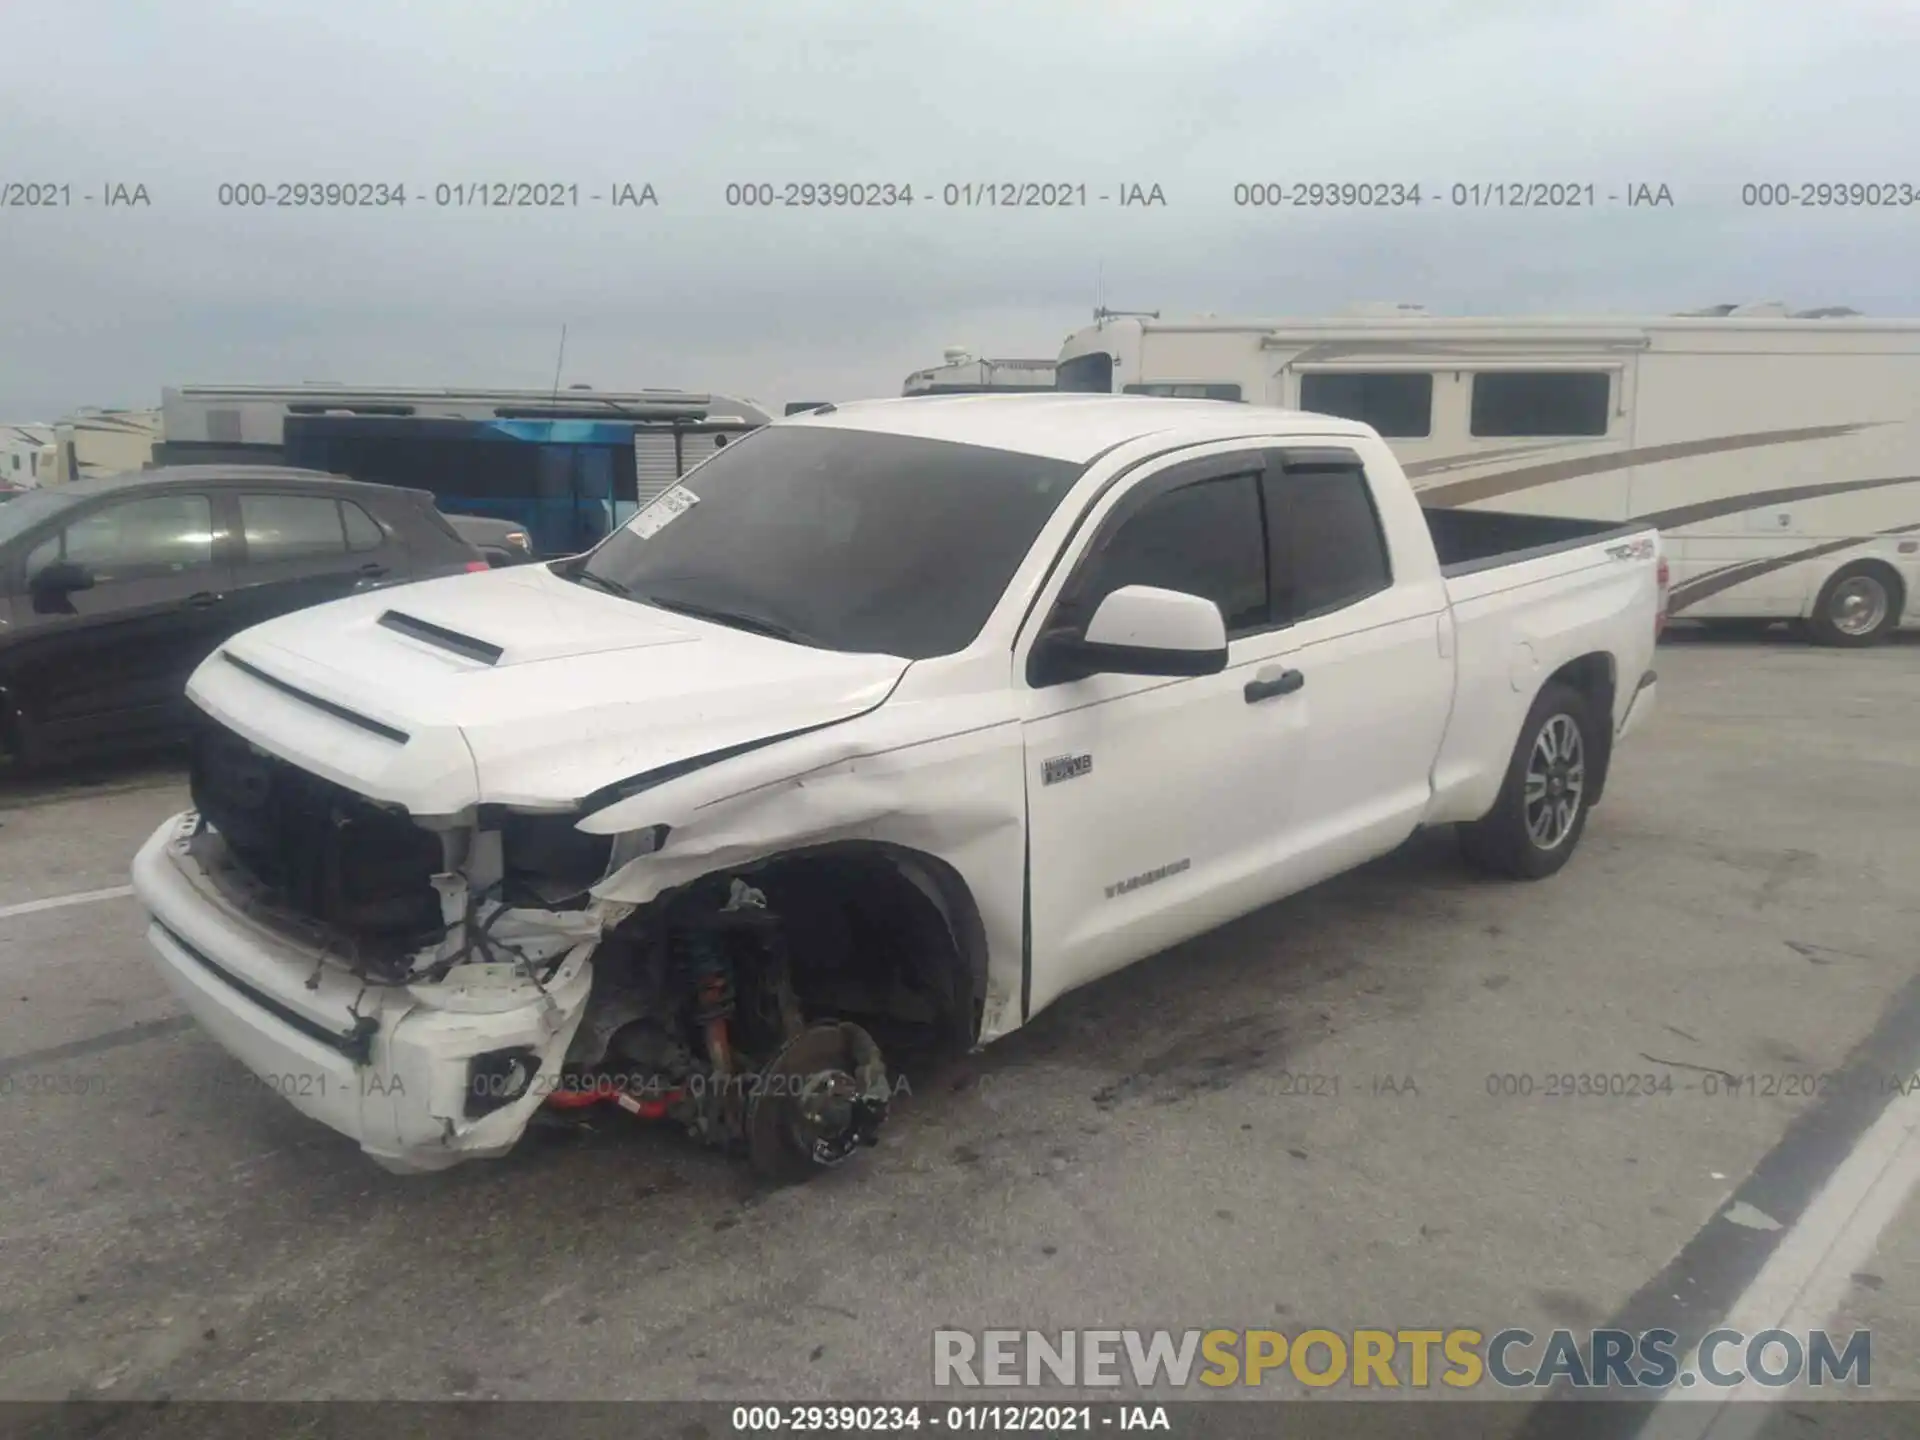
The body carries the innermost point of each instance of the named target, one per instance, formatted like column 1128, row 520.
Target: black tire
column 1853, row 596
column 1502, row 842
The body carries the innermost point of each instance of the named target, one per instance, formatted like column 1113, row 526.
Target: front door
column 113, row 659
column 1153, row 803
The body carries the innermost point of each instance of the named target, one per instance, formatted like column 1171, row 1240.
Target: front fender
column 958, row 796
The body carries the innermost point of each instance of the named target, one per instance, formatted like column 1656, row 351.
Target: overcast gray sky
column 103, row 306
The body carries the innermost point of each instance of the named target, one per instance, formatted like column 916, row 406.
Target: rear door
column 305, row 548
column 113, row 659
column 1376, row 681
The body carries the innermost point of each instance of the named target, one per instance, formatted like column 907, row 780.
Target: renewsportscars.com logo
column 1379, row 1359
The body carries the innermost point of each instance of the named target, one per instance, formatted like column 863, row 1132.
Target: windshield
column 845, row 539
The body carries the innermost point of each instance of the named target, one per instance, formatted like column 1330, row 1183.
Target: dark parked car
column 500, row 542
column 113, row 589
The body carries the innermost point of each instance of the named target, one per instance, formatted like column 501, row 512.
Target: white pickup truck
column 896, row 719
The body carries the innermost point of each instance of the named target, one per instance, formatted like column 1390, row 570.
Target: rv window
column 1085, row 374
column 1182, row 391
column 1536, row 402
column 1398, row 405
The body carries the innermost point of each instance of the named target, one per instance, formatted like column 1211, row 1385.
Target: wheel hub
column 818, row 1101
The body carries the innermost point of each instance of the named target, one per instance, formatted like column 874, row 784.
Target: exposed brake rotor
column 821, row 1098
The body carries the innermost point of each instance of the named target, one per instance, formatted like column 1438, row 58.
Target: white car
column 899, row 718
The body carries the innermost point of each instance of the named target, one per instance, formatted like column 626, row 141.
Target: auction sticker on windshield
column 661, row 511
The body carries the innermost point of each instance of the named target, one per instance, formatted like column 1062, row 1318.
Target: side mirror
column 1143, row 630
column 52, row 584
column 62, row 577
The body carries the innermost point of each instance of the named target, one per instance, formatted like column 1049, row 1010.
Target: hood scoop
column 441, row 638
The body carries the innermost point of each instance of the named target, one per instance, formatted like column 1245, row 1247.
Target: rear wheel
column 1533, row 827
column 1858, row 606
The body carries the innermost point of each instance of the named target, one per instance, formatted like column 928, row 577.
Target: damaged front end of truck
column 724, row 945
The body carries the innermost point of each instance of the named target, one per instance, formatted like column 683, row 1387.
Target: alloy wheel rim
column 1555, row 782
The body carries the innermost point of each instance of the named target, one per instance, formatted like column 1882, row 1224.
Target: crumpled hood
column 540, row 690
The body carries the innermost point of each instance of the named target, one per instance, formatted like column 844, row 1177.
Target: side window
column 1328, row 551
column 1204, row 539
column 135, row 539
column 291, row 527
column 1399, row 405
column 1541, row 402
column 363, row 531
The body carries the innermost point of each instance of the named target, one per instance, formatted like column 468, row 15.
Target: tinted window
column 1327, row 548
column 363, row 532
column 1085, row 374
column 291, row 527
column 1184, row 391
column 1395, row 404
column 1567, row 402
column 1204, row 539
column 135, row 539
column 856, row 541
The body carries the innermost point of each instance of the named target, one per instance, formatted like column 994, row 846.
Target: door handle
column 1285, row 683
column 373, row 567
column 202, row 599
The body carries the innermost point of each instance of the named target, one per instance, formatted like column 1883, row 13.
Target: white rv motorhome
column 1778, row 450
column 961, row 373
column 102, row 442
column 26, row 456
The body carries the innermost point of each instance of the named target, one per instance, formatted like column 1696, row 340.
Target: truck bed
column 1467, row 541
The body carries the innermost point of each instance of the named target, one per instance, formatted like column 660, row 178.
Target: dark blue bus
column 566, row 468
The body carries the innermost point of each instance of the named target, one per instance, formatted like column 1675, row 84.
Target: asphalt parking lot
column 1332, row 1113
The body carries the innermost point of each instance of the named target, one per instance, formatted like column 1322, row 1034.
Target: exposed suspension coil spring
column 703, row 959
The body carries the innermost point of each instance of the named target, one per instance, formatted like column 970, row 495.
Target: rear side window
column 1396, row 404
column 363, row 532
column 1549, row 402
column 1327, row 549
column 1204, row 539
column 291, row 527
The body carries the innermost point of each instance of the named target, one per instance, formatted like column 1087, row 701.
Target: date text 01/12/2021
column 444, row 195
column 967, row 195
column 1459, row 195
column 876, row 1419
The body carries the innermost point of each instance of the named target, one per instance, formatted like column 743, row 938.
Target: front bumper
column 387, row 1066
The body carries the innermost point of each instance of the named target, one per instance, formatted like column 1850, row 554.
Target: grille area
column 321, row 850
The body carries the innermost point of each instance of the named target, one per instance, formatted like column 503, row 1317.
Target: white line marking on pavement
column 1805, row 1279
column 56, row 902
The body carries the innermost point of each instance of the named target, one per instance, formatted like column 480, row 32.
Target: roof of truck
column 1067, row 427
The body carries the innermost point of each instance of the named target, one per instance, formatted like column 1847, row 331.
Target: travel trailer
column 102, row 442
column 1777, row 449
column 25, row 452
column 565, row 466
column 962, row 374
